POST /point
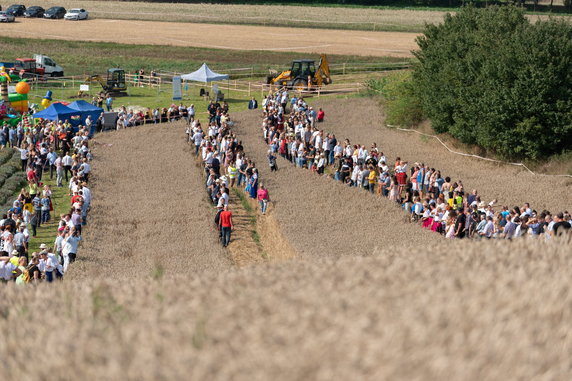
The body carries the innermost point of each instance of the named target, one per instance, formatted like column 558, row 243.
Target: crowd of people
column 225, row 164
column 48, row 149
column 436, row 201
column 131, row 118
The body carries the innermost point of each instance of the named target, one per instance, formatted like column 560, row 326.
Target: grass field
column 82, row 57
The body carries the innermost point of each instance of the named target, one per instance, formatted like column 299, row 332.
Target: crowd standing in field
column 48, row 149
column 225, row 164
column 433, row 199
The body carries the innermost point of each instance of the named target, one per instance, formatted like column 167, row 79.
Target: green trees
column 490, row 77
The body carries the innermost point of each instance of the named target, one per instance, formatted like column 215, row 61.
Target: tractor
column 115, row 81
column 303, row 75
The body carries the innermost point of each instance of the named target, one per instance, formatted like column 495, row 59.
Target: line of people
column 226, row 166
column 436, row 201
column 49, row 149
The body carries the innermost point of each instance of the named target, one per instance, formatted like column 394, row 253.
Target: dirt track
column 236, row 37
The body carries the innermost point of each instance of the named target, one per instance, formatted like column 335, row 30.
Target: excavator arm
column 322, row 75
column 97, row 78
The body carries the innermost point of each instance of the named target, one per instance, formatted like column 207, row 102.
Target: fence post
column 248, row 89
column 344, row 69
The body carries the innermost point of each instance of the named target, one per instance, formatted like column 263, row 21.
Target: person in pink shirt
column 263, row 198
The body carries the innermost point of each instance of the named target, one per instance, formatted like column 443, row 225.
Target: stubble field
column 343, row 17
column 220, row 36
column 359, row 18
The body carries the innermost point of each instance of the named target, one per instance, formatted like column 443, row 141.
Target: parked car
column 76, row 14
column 7, row 17
column 34, row 11
column 16, row 10
column 55, row 13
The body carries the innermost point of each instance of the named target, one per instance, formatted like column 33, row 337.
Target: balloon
column 45, row 103
column 22, row 87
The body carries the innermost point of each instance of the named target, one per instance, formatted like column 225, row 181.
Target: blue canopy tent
column 58, row 111
column 87, row 109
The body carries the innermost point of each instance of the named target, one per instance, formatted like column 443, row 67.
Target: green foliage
column 490, row 77
column 402, row 104
column 5, row 155
column 11, row 179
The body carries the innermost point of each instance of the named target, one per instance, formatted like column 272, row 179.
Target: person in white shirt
column 489, row 229
column 86, row 193
column 84, row 170
column 69, row 248
column 24, row 157
column 7, row 270
column 67, row 161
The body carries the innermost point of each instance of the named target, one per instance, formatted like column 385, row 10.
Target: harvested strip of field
column 321, row 217
column 150, row 214
column 361, row 120
column 359, row 18
column 466, row 311
column 222, row 36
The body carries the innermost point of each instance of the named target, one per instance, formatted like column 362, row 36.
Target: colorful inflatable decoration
column 47, row 100
column 13, row 103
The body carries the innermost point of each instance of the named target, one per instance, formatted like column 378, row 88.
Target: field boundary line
column 474, row 156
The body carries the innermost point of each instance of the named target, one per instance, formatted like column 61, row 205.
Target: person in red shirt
column 321, row 115
column 76, row 197
column 226, row 225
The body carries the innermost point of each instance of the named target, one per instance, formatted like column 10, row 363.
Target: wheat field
column 470, row 311
column 369, row 296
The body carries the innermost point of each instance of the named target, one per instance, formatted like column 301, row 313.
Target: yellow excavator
column 303, row 75
column 115, row 81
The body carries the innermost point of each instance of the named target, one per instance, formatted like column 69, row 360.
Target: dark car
column 34, row 11
column 55, row 13
column 16, row 10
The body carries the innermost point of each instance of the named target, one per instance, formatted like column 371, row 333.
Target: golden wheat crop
column 150, row 211
column 464, row 311
column 371, row 296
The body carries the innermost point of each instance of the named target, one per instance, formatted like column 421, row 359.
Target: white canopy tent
column 204, row 74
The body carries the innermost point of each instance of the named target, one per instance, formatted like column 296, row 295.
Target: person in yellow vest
column 372, row 178
column 33, row 189
column 232, row 173
column 456, row 202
